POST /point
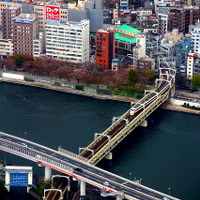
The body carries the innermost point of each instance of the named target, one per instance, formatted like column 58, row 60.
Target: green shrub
column 79, row 87
column 29, row 79
column 57, row 83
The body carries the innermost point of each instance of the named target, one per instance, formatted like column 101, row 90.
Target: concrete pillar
column 144, row 123
column 109, row 156
column 118, row 198
column 172, row 93
column 82, row 189
column 7, row 181
column 48, row 173
column 8, row 188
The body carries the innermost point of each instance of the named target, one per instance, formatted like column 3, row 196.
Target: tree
column 132, row 77
column 150, row 75
column 18, row 58
column 196, row 81
column 180, row 81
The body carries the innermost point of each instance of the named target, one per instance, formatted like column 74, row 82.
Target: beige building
column 4, row 5
column 173, row 36
column 6, row 48
column 8, row 14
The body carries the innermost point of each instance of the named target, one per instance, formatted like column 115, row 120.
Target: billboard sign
column 52, row 13
column 23, row 21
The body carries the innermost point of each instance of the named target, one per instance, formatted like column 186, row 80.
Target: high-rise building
column 195, row 36
column 139, row 51
column 105, row 47
column 4, row 4
column 25, row 30
column 68, row 41
column 7, row 15
column 162, row 21
column 193, row 65
column 182, row 18
column 183, row 47
column 92, row 11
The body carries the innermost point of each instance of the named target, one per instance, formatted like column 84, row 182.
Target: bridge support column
column 82, row 189
column 172, row 93
column 109, row 156
column 118, row 197
column 144, row 123
column 7, row 181
column 48, row 173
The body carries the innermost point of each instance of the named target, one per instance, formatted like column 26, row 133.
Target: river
column 165, row 155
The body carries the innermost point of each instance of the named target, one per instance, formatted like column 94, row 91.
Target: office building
column 126, row 38
column 25, row 30
column 195, row 36
column 68, row 41
column 105, row 47
column 183, row 47
column 182, row 18
column 8, row 14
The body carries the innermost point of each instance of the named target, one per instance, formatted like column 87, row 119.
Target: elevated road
column 72, row 165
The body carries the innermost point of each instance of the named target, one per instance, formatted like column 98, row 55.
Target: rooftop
column 125, row 37
column 128, row 28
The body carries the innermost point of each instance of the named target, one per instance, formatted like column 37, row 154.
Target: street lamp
column 130, row 175
column 169, row 188
column 25, row 135
column 59, row 151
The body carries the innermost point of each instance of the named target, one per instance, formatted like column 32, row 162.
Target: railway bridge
column 82, row 166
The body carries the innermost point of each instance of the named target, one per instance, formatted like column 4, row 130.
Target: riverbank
column 167, row 105
column 170, row 106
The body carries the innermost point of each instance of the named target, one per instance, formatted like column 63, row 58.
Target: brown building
column 25, row 30
column 181, row 18
column 146, row 63
column 7, row 15
column 104, row 47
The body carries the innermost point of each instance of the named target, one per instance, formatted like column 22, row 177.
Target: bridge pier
column 109, row 156
column 7, row 181
column 118, row 197
column 82, row 189
column 144, row 123
column 48, row 173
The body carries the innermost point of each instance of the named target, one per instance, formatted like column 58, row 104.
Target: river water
column 165, row 155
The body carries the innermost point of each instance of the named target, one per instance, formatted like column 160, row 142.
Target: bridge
column 136, row 115
column 82, row 167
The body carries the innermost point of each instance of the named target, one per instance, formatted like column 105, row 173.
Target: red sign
column 53, row 12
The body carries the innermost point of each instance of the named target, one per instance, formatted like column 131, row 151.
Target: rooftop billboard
column 52, row 13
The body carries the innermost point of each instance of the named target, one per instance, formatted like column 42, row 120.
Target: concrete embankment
column 170, row 106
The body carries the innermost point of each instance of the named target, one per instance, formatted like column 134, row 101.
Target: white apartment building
column 139, row 51
column 162, row 21
column 195, row 36
column 68, row 41
column 193, row 65
column 39, row 45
